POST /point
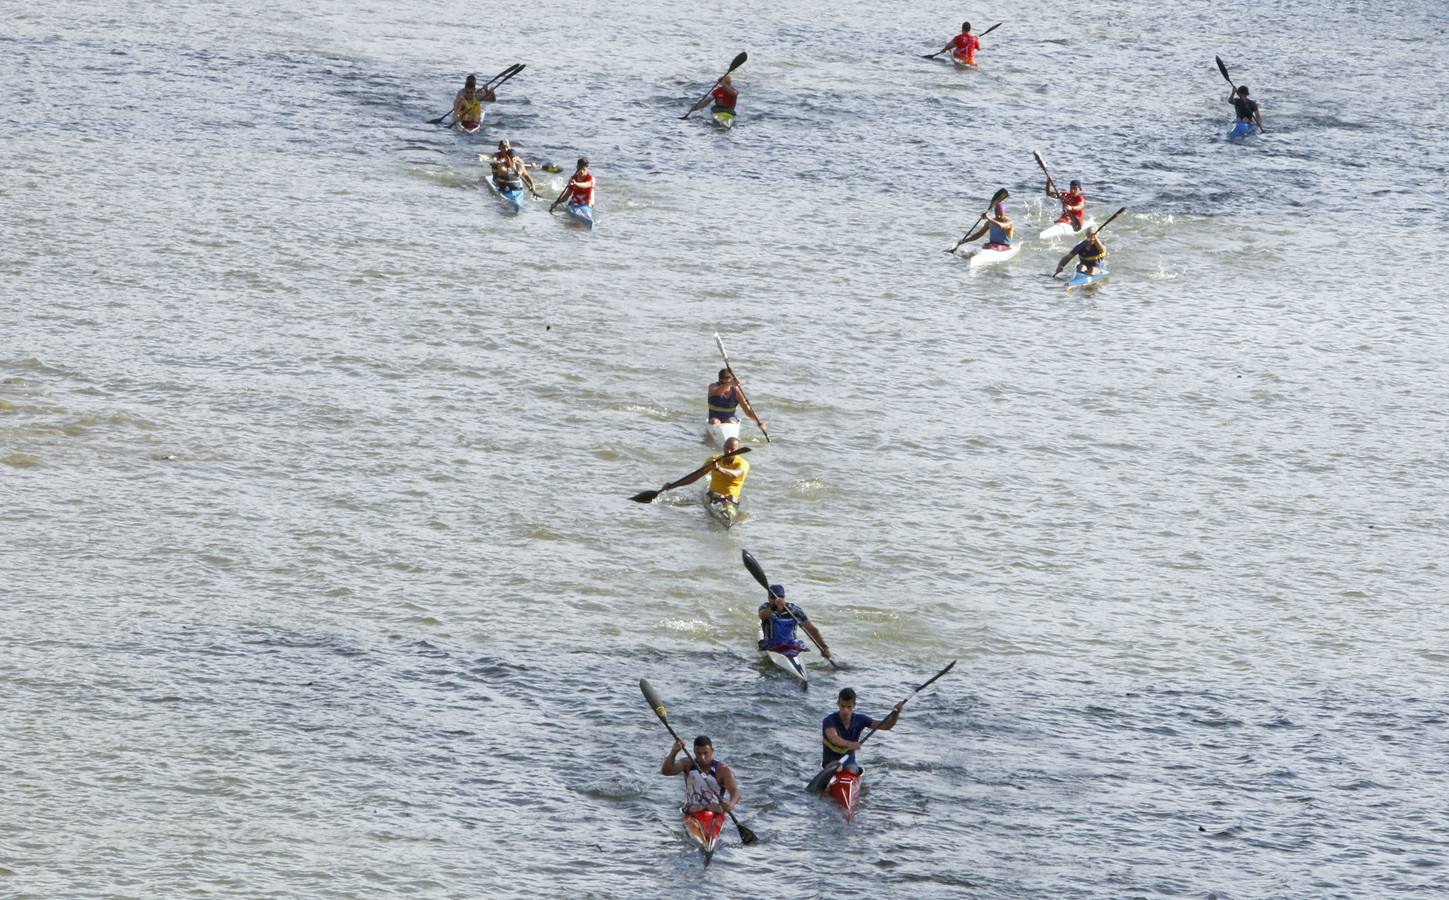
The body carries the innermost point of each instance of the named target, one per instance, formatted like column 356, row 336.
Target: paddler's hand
column 678, row 746
column 717, row 809
column 899, row 706
column 824, row 651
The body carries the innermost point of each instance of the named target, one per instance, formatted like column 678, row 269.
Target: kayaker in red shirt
column 964, row 45
column 1074, row 203
column 724, row 96
column 581, row 186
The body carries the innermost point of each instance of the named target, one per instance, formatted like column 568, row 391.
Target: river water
column 321, row 578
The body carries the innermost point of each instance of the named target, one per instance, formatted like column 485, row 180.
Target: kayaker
column 777, row 624
column 1074, row 203
column 724, row 96
column 840, row 732
column 468, row 103
column 710, row 786
column 510, row 172
column 581, row 186
column 725, row 397
column 1091, row 252
column 997, row 227
column 726, row 477
column 963, row 46
column 1247, row 110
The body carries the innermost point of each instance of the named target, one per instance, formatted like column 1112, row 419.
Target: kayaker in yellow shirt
column 468, row 103
column 726, row 477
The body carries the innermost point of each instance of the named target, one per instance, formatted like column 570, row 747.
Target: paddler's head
column 725, row 377
column 731, row 445
column 966, row 29
column 845, row 702
column 1092, row 236
column 582, row 167
column 1076, row 185
column 725, row 81
column 703, row 751
column 777, row 596
column 471, row 82
column 1242, row 90
column 1000, row 210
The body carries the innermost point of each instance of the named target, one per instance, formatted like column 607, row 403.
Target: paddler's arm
column 1065, row 259
column 815, row 633
column 457, row 104
column 749, row 410
column 705, row 101
column 672, row 765
column 1258, row 117
column 889, row 721
column 726, row 777
column 720, row 467
column 838, row 742
column 488, row 95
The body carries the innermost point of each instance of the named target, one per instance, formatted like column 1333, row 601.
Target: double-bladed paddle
column 746, row 836
column 719, row 343
column 759, row 572
column 817, row 784
column 996, row 198
column 1224, row 69
column 948, row 46
column 495, row 81
column 648, row 496
column 735, row 64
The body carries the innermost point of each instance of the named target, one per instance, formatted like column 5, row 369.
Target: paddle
column 494, row 82
column 817, row 784
column 948, row 46
column 738, row 61
column 996, row 198
column 759, row 572
column 741, row 387
column 648, row 496
column 746, row 836
column 1224, row 69
column 1042, row 163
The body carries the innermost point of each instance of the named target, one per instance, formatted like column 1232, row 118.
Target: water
column 320, row 574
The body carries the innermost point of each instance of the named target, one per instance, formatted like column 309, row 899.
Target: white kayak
column 1065, row 230
column 719, row 432
column 788, row 662
column 981, row 256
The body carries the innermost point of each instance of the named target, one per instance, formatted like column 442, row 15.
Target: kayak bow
column 704, row 828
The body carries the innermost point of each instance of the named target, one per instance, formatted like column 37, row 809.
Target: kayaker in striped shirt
column 840, row 732
column 468, row 103
column 710, row 786
column 1091, row 251
column 777, row 624
column 725, row 397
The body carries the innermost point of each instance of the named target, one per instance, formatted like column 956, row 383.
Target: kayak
column 514, row 198
column 584, row 215
column 789, row 661
column 1081, row 279
column 721, row 510
column 960, row 63
column 723, row 118
column 1065, row 229
column 1241, row 130
column 844, row 789
column 719, row 432
column 981, row 256
column 704, row 829
column 470, row 127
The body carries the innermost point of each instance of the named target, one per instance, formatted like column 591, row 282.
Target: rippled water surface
column 321, row 578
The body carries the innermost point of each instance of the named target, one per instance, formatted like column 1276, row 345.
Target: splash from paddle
column 648, row 496
column 818, row 783
column 746, row 836
column 759, row 572
column 735, row 64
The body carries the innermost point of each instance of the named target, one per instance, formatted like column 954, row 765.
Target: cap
column 777, row 590
column 1076, row 183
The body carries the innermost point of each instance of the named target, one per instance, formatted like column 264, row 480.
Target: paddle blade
column 1224, row 69
column 655, row 703
column 998, row 197
column 818, row 783
column 738, row 61
column 992, row 28
column 755, row 569
column 948, row 668
column 1040, row 162
column 645, row 496
column 746, row 836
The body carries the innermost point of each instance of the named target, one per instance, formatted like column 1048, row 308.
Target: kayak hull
column 981, row 257
column 719, row 432
column 722, row 511
column 788, row 663
column 1059, row 230
column 470, row 127
column 844, row 789
column 512, row 198
column 704, row 829
column 584, row 215
column 1241, row 130
column 723, row 118
column 1083, row 280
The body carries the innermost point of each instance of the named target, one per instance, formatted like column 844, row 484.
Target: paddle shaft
column 759, row 572
column 872, row 731
column 735, row 64
column 746, row 836
column 735, row 378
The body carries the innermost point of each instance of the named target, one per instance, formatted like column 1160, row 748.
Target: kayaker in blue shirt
column 725, row 397
column 840, row 732
column 1091, row 251
column 1246, row 110
column 996, row 225
column 711, row 786
column 777, row 624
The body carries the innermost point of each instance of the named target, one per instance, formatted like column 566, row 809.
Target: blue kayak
column 513, row 196
column 1241, row 130
column 584, row 215
column 1082, row 279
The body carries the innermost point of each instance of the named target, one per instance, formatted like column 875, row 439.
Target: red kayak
column 704, row 828
column 845, row 788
